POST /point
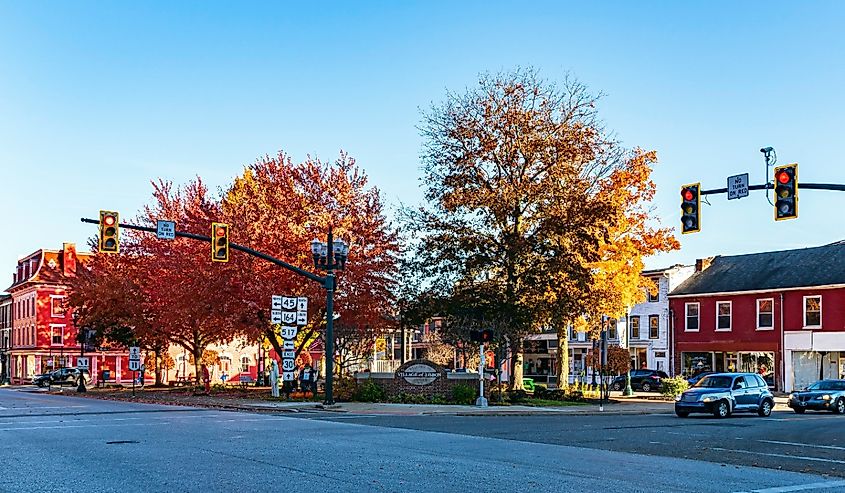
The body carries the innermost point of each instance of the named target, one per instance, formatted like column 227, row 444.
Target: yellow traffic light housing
column 109, row 232
column 786, row 192
column 691, row 208
column 219, row 242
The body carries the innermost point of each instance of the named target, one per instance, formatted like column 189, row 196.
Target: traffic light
column 786, row 192
column 109, row 232
column 219, row 242
column 690, row 208
column 475, row 335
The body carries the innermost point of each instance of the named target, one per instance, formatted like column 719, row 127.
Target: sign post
column 481, row 401
column 165, row 230
column 738, row 186
column 290, row 313
column 134, row 364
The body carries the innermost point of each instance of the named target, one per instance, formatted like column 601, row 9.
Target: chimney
column 702, row 264
column 68, row 259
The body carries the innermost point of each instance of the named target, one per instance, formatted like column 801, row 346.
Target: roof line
column 757, row 291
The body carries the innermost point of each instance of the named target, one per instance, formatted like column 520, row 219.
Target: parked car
column 645, row 380
column 62, row 376
column 824, row 395
column 698, row 376
column 724, row 393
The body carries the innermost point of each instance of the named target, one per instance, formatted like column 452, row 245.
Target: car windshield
column 828, row 385
column 714, row 382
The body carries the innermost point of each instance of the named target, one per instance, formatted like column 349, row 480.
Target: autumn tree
column 278, row 206
column 618, row 360
column 513, row 171
column 631, row 234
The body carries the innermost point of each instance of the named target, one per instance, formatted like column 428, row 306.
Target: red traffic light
column 108, row 220
column 783, row 177
column 687, row 194
column 220, row 231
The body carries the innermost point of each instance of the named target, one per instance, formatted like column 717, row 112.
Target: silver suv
column 724, row 393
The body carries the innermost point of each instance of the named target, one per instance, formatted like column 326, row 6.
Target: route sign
column 738, row 186
column 134, row 365
column 302, row 304
column 289, row 332
column 134, row 353
column 288, row 317
column 288, row 345
column 276, row 316
column 288, row 365
column 288, row 303
column 301, row 318
column 276, row 302
column 288, row 376
column 82, row 362
column 166, row 230
column 288, row 354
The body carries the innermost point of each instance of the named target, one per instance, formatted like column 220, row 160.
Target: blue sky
column 99, row 98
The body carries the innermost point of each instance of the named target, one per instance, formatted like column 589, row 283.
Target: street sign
column 301, row 318
column 288, row 354
column 302, row 304
column 288, row 303
column 288, row 376
column 738, row 186
column 288, row 365
column 134, row 353
column 276, row 302
column 288, row 345
column 288, row 317
column 134, row 365
column 165, row 230
column 289, row 332
column 276, row 316
column 82, row 362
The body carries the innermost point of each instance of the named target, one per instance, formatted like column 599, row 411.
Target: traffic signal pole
column 328, row 283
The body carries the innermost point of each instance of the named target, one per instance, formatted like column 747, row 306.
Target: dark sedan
column 824, row 395
column 645, row 380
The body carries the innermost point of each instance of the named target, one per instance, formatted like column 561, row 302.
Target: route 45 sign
column 738, row 186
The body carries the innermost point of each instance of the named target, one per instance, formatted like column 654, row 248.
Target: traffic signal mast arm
column 234, row 246
column 803, row 186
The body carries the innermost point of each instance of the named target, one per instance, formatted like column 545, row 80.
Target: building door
column 842, row 364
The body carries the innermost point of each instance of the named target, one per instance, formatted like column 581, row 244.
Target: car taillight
column 655, row 377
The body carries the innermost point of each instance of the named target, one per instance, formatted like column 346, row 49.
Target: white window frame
column 53, row 328
column 248, row 361
column 697, row 316
column 730, row 316
column 650, row 318
column 804, row 309
column 53, row 298
column 631, row 328
column 771, row 327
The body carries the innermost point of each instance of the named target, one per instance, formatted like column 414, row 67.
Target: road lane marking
column 783, row 456
column 98, row 425
column 794, row 444
column 800, row 487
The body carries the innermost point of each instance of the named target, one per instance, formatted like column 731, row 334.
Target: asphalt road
column 55, row 443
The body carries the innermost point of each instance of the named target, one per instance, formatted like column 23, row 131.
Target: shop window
column 762, row 363
column 812, row 311
column 765, row 318
column 723, row 315
column 57, row 306
column 695, row 363
column 653, row 326
column 635, row 327
column 691, row 317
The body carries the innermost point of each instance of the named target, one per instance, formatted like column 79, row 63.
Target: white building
column 645, row 329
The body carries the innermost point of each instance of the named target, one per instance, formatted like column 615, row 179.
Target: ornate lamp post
column 329, row 256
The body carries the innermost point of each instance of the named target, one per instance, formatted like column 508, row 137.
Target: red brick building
column 43, row 335
column 780, row 314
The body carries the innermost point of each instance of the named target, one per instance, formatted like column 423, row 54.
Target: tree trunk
column 197, row 364
column 157, row 355
column 563, row 357
column 516, row 367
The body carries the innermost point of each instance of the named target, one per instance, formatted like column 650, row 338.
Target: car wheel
column 765, row 408
column 616, row 386
column 722, row 409
column 798, row 410
column 646, row 387
column 682, row 414
column 839, row 407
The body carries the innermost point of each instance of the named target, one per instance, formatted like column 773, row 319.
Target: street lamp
column 79, row 337
column 329, row 256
